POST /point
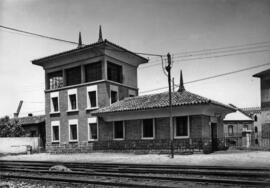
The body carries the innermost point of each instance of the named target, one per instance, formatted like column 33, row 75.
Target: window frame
column 115, row 89
column 124, row 131
column 67, row 74
column 154, row 130
column 99, row 63
column 54, row 95
column 72, row 92
column 53, row 78
column 230, row 127
column 109, row 63
column 188, row 128
column 91, row 89
column 55, row 124
column 73, row 122
column 92, row 120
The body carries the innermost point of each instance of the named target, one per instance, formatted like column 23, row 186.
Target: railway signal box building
column 92, row 103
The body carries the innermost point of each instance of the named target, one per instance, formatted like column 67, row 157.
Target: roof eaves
column 38, row 61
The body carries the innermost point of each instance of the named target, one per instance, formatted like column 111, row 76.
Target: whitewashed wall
column 18, row 144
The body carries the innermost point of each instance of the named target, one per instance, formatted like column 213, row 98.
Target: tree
column 10, row 128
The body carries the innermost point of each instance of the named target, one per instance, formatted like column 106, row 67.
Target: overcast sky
column 149, row 26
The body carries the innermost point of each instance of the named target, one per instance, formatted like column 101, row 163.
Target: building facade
column 81, row 80
column 265, row 101
column 92, row 103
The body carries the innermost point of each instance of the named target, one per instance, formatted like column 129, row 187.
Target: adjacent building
column 92, row 103
column 265, row 101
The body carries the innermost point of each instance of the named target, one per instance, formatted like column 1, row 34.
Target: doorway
column 214, row 138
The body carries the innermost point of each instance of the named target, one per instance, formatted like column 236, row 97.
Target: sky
column 148, row 26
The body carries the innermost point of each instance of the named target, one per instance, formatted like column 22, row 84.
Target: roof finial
column 80, row 40
column 181, row 86
column 100, row 39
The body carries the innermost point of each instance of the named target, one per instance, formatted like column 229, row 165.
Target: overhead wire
column 211, row 77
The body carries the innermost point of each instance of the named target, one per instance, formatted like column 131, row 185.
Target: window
column 148, row 129
column 181, row 128
column 54, row 102
column 55, row 131
column 72, row 99
column 114, row 94
column 93, row 72
column 256, row 129
column 92, row 97
column 73, row 130
column 245, row 127
column 118, row 128
column 114, row 72
column 92, row 128
column 55, row 80
column 131, row 93
column 230, row 130
column 73, row 76
column 255, row 118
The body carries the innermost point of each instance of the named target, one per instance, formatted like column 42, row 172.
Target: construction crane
column 16, row 114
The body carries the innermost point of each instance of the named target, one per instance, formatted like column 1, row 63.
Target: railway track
column 136, row 175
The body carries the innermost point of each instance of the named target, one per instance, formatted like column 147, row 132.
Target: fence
column 256, row 141
column 17, row 145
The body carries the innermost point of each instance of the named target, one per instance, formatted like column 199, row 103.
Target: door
column 214, row 136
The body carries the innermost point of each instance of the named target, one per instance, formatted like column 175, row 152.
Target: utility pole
column 168, row 69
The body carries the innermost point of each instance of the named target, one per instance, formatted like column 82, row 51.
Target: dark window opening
column 92, row 98
column 73, row 132
column 256, row 129
column 118, row 130
column 148, row 131
column 93, row 72
column 55, row 133
column 73, row 102
column 114, row 96
column 255, row 118
column 55, row 104
column 181, row 127
column 93, row 131
column 55, row 80
column 73, row 76
column 230, row 130
column 115, row 72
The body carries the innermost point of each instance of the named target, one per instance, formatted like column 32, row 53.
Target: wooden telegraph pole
column 168, row 69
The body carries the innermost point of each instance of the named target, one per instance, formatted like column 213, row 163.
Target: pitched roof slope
column 160, row 100
column 104, row 42
column 252, row 110
column 237, row 116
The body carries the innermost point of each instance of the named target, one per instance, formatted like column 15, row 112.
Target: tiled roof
column 31, row 119
column 35, row 61
column 252, row 110
column 263, row 73
column 155, row 101
column 237, row 116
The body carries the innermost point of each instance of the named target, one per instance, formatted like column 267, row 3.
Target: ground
column 228, row 158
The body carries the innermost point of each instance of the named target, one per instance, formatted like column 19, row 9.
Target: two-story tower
column 79, row 81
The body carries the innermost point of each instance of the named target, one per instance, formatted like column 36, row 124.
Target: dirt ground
column 227, row 158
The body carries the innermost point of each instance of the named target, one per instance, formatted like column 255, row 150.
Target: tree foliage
column 10, row 128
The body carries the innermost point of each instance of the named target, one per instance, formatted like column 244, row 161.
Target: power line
column 211, row 77
column 66, row 41
column 38, row 35
column 223, row 55
column 208, row 57
column 221, row 48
